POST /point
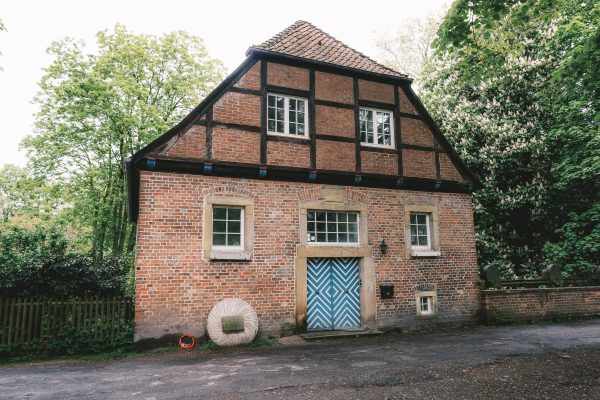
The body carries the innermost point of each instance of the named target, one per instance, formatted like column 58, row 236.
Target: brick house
column 308, row 178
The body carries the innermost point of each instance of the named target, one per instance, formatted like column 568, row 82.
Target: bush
column 38, row 263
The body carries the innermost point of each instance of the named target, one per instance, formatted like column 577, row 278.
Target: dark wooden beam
column 410, row 116
column 241, row 127
column 334, row 104
column 291, row 139
column 436, row 147
column 288, row 91
column 263, row 112
column 209, row 132
column 398, row 132
column 379, row 150
column 312, row 122
column 417, row 147
column 376, row 104
column 356, row 125
column 253, row 92
column 334, row 138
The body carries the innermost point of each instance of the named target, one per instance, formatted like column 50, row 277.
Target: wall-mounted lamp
column 383, row 246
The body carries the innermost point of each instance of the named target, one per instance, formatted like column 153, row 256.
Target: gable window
column 287, row 115
column 420, row 233
column 376, row 127
column 332, row 227
column 228, row 227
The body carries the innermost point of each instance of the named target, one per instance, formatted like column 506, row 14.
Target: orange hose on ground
column 184, row 345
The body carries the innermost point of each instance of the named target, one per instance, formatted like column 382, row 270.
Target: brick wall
column 448, row 171
column 416, row 132
column 288, row 154
column 332, row 87
column 418, row 163
column 286, row 76
column 405, row 104
column 335, row 156
column 235, row 145
column 192, row 144
column 251, row 79
column 334, row 121
column 379, row 163
column 176, row 285
column 502, row 306
column 238, row 108
column 375, row 91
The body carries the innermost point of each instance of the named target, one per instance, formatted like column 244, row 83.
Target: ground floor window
column 332, row 227
column 426, row 305
column 228, row 226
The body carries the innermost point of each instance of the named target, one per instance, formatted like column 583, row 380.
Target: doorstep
column 338, row 334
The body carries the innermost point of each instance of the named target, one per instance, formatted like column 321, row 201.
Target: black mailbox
column 387, row 290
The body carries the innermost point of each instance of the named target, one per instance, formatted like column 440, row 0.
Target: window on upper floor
column 332, row 227
column 287, row 115
column 376, row 127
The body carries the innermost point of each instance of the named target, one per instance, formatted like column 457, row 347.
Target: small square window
column 227, row 225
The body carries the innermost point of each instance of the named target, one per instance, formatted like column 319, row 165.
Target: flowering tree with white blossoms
column 501, row 87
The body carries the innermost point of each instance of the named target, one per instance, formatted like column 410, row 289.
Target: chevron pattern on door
column 333, row 300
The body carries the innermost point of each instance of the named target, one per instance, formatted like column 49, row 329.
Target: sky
column 227, row 27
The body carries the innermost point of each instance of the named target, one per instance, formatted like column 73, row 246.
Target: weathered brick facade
column 177, row 284
column 222, row 151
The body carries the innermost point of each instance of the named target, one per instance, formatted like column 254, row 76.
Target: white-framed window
column 287, row 115
column 228, row 227
column 420, row 232
column 332, row 227
column 426, row 305
column 376, row 127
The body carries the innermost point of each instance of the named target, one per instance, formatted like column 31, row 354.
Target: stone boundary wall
column 513, row 305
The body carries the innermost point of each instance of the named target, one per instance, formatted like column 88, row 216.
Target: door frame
column 362, row 251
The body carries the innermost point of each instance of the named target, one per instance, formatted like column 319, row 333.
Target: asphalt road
column 559, row 361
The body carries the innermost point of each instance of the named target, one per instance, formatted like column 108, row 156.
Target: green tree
column 97, row 108
column 26, row 200
column 515, row 86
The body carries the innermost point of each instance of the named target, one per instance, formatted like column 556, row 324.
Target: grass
column 104, row 356
column 207, row 346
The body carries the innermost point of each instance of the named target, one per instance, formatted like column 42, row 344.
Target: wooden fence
column 27, row 320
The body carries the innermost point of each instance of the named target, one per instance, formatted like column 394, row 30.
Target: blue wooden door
column 333, row 300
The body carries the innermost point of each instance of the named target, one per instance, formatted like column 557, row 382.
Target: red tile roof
column 303, row 39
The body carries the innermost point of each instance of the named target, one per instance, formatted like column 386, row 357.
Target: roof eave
column 352, row 71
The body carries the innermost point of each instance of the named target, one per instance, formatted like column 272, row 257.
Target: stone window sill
column 230, row 255
column 425, row 253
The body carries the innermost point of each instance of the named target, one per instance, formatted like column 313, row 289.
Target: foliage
column 38, row 263
column 98, row 108
column 83, row 340
column 408, row 49
column 26, row 200
column 515, row 87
